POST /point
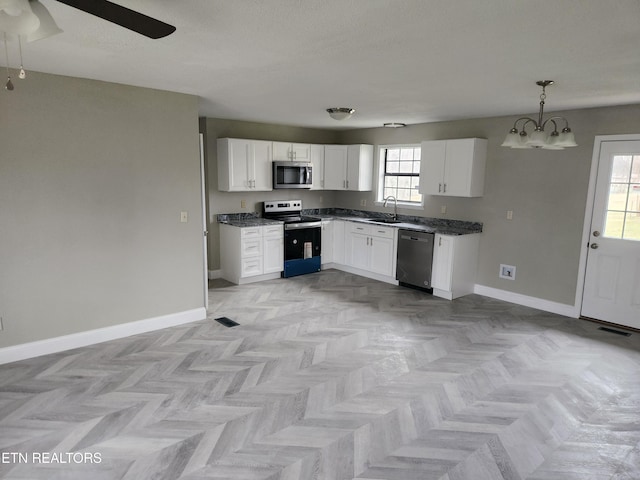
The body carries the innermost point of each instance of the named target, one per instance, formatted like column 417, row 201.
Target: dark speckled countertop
column 422, row 224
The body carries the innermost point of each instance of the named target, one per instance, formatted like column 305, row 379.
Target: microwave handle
column 306, row 176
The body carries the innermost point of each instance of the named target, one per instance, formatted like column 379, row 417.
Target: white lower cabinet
column 251, row 254
column 326, row 242
column 371, row 248
column 455, row 259
column 273, row 243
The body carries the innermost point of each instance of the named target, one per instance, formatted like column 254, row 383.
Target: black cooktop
column 295, row 218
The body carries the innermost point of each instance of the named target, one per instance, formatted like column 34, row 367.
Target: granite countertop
column 246, row 220
column 407, row 222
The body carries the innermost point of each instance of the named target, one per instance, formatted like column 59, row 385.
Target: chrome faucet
column 395, row 206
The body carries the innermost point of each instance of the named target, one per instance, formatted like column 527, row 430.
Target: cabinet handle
column 445, row 188
column 372, row 241
column 439, row 241
column 439, row 187
column 347, row 184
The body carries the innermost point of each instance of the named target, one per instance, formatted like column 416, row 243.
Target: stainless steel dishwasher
column 415, row 257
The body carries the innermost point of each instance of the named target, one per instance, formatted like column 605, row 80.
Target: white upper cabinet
column 244, row 165
column 317, row 161
column 335, row 167
column 348, row 167
column 453, row 168
column 360, row 167
column 296, row 152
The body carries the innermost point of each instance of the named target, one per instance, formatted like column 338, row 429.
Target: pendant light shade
column 47, row 27
column 17, row 18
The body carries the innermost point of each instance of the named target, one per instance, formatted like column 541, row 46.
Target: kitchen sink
column 384, row 220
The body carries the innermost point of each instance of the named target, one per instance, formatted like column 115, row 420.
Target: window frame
column 382, row 161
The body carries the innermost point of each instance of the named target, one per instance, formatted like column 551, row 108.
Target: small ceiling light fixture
column 340, row 113
column 538, row 138
column 394, row 125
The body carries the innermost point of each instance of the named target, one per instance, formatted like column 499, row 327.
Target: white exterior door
column 612, row 278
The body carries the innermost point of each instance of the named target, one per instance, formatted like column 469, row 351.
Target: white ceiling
column 410, row 61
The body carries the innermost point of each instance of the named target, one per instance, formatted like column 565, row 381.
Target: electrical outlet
column 443, row 209
column 509, row 214
column 508, row 272
column 184, row 217
column 363, row 202
column 243, row 204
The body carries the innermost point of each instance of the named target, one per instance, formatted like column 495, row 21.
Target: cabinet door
column 281, row 151
column 458, row 167
column 433, row 154
column 301, row 152
column 317, row 160
column 240, row 158
column 465, row 166
column 442, row 262
column 358, row 250
column 338, row 242
column 327, row 242
column 335, row 167
column 381, row 255
column 262, row 166
column 360, row 167
column 273, row 254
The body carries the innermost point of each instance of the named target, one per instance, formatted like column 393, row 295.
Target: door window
column 623, row 206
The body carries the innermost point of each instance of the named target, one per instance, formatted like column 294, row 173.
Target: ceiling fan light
column 47, row 27
column 340, row 113
column 17, row 18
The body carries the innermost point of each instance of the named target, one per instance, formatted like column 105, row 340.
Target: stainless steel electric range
column 302, row 236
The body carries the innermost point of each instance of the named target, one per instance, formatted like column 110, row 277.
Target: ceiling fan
column 125, row 17
column 31, row 19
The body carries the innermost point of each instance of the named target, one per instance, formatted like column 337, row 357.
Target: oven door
column 302, row 248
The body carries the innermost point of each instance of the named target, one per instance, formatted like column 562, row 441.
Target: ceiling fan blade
column 125, row 17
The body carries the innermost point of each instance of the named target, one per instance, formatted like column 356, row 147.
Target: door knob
column 594, row 246
column 596, row 233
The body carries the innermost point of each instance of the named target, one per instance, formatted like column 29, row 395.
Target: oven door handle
column 299, row 226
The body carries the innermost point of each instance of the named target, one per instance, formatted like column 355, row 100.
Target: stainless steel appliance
column 292, row 174
column 415, row 257
column 302, row 236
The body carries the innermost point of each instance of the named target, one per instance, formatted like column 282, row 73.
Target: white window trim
column 379, row 201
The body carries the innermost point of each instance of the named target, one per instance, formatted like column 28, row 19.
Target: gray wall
column 230, row 202
column 547, row 191
column 93, row 177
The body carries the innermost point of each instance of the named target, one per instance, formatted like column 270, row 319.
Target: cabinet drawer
column 251, row 247
column 385, row 232
column 251, row 266
column 360, row 228
column 251, row 232
column 273, row 231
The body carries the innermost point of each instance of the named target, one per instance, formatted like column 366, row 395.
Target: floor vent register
column 613, row 330
column 227, row 322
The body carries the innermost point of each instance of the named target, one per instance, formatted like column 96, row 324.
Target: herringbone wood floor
column 333, row 376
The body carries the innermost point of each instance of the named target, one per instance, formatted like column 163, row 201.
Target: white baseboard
column 527, row 301
column 99, row 335
column 213, row 274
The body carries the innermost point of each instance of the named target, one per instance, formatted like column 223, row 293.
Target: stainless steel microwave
column 292, row 174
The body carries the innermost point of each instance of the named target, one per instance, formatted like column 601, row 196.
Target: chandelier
column 539, row 138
